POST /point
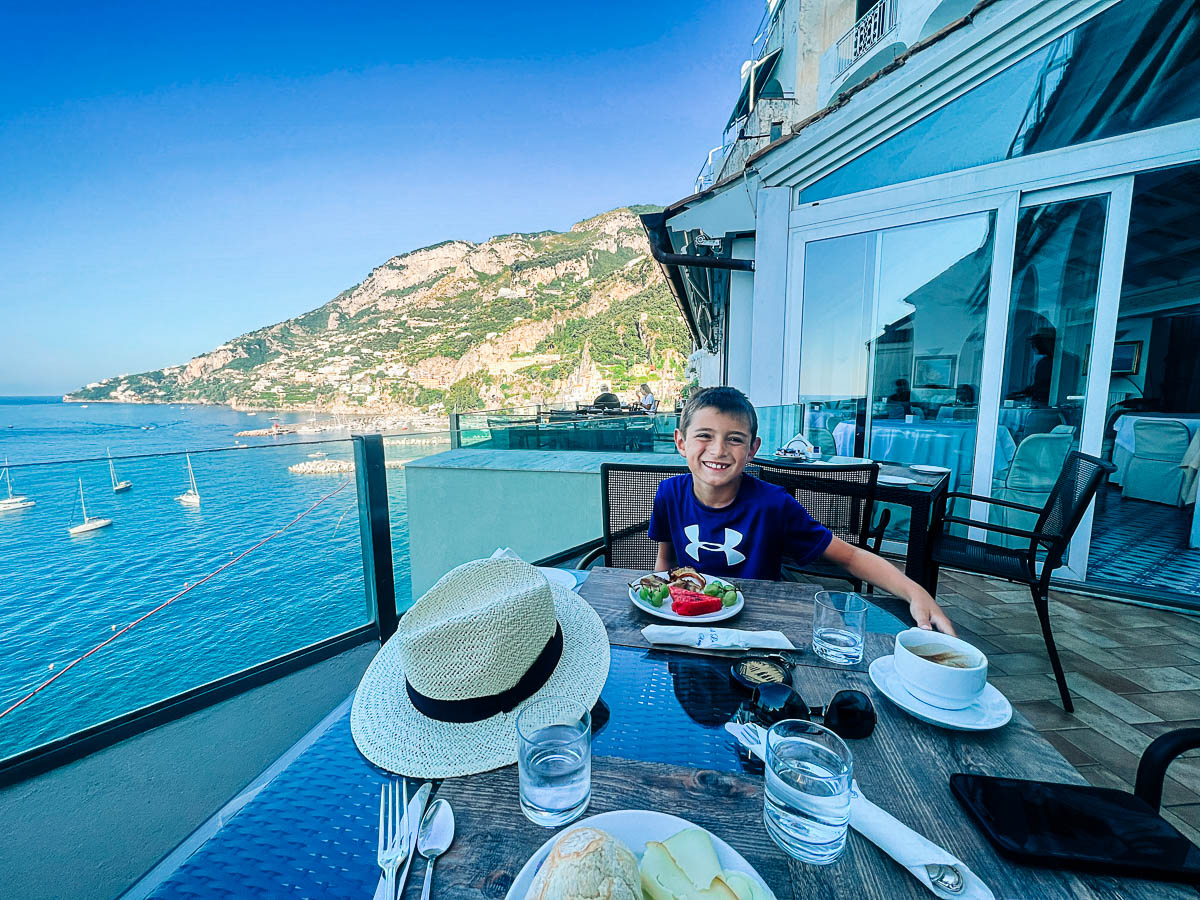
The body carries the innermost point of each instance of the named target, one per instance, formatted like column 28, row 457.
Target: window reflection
column 1056, row 275
column 1133, row 67
column 892, row 343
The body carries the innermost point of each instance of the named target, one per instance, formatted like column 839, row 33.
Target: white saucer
column 896, row 479
column 930, row 470
column 560, row 577
column 990, row 711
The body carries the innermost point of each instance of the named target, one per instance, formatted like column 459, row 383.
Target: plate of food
column 685, row 595
column 930, row 470
column 636, row 853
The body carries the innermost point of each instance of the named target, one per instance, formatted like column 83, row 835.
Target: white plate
column 896, row 479
column 990, row 711
column 664, row 611
column 930, row 470
column 635, row 827
column 558, row 576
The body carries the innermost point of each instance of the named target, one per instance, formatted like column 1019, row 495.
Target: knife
column 414, row 817
column 416, row 809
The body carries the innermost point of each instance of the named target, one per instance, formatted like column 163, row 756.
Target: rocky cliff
column 520, row 318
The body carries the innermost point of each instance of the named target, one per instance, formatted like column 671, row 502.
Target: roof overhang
column 762, row 69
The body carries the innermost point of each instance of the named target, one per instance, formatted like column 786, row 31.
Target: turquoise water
column 60, row 595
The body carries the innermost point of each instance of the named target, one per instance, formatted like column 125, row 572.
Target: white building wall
column 740, row 320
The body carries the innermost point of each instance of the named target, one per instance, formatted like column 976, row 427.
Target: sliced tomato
column 692, row 603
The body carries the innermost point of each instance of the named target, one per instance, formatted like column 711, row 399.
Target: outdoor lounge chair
column 1077, row 483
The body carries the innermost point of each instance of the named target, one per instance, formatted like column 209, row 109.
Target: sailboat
column 118, row 486
column 12, row 501
column 190, row 497
column 89, row 523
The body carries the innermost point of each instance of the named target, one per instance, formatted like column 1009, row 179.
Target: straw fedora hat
column 441, row 697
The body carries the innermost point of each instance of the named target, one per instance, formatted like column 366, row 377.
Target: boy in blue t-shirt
column 726, row 523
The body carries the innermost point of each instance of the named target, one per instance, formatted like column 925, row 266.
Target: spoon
column 437, row 831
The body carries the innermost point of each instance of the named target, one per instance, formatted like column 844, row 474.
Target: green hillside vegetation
column 417, row 334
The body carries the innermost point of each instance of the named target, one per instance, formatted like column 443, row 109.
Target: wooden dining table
column 309, row 825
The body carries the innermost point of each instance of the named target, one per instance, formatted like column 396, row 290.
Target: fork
column 393, row 833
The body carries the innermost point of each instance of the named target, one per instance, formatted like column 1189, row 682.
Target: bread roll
column 588, row 864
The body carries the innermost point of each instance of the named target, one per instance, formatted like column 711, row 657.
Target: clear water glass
column 554, row 760
column 839, row 626
column 807, row 799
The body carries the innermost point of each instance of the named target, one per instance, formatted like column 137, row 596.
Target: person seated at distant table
column 646, row 398
column 607, row 399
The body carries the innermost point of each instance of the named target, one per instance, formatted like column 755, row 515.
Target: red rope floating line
column 49, row 681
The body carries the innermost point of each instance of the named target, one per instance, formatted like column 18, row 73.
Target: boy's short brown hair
column 728, row 400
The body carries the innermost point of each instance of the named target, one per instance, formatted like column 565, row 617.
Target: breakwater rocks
column 335, row 466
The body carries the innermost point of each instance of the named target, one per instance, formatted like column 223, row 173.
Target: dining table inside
column 307, row 827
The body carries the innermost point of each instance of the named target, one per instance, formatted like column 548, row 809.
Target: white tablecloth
column 949, row 444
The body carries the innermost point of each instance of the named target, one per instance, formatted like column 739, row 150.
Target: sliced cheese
column 718, row 890
column 662, row 879
column 692, row 850
column 743, row 885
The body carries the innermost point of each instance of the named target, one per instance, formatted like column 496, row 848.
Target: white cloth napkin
column 911, row 850
column 888, row 833
column 716, row 638
column 505, row 553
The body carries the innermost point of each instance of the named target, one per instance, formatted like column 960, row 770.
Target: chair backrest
column 627, row 492
column 1038, row 462
column 1077, row 484
column 1160, row 439
column 1041, row 420
column 842, row 498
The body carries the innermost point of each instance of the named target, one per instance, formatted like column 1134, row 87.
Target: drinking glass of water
column 807, row 800
column 554, row 760
column 839, row 623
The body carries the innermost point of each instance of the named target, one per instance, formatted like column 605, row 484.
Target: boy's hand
column 927, row 614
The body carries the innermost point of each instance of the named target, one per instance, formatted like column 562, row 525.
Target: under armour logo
column 732, row 539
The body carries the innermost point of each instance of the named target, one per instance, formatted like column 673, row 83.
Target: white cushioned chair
column 1035, row 467
column 1154, row 471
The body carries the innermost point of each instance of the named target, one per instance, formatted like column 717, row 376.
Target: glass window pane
column 1133, row 67
column 1052, row 308
column 1146, row 531
column 896, row 317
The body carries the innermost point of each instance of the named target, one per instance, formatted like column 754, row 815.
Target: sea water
column 61, row 596
column 838, row 645
column 555, row 775
column 807, row 801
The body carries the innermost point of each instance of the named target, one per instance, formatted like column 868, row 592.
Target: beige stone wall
column 820, row 24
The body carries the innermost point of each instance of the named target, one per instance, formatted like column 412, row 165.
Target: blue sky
column 176, row 175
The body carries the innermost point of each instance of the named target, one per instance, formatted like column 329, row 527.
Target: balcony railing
column 876, row 24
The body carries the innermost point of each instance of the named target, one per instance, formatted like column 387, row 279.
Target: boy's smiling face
column 717, row 447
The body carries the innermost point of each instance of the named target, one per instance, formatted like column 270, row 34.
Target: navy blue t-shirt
column 746, row 539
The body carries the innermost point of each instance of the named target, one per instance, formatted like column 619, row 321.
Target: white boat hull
column 122, row 486
column 189, row 499
column 15, row 503
column 90, row 525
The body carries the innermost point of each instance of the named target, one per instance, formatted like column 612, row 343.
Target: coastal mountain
column 519, row 318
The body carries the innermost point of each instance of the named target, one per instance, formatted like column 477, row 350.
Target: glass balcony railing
column 169, row 596
column 581, row 428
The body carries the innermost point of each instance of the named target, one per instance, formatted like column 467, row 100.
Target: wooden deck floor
column 1134, row 674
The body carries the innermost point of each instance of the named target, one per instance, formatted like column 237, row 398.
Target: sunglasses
column 849, row 714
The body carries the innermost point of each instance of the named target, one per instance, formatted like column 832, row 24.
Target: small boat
column 118, row 486
column 12, row 501
column 89, row 523
column 190, row 497
column 320, row 454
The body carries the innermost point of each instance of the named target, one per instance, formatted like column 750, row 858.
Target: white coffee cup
column 938, row 684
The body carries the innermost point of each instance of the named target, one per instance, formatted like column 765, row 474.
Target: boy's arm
column 878, row 571
column 666, row 557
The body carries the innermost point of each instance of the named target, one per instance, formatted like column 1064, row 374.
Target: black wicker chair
column 842, row 498
column 1069, row 499
column 627, row 494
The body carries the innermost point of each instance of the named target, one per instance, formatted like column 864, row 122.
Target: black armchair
column 627, row 495
column 1049, row 538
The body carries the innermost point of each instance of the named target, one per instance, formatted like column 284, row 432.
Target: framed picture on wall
column 934, row 371
column 1127, row 357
